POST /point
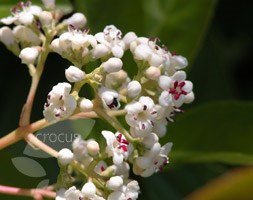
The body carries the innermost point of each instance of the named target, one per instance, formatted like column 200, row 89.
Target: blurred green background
column 212, row 137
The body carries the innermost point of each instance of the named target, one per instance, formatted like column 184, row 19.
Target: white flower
column 128, row 38
column 126, row 192
column 153, row 73
column 85, row 105
column 6, row 36
column 93, row 148
column 89, row 190
column 114, row 183
column 26, row 35
column 49, row 4
column 60, row 104
column 117, row 146
column 80, row 150
column 110, row 40
column 110, row 98
column 141, row 114
column 154, row 160
column 112, row 65
column 175, row 88
column 29, row 55
column 74, row 74
column 78, row 20
column 65, row 156
column 73, row 194
column 23, row 13
column 133, row 89
column 46, row 18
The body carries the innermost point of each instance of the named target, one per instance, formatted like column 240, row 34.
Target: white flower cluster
column 149, row 100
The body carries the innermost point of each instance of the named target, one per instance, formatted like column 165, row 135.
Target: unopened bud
column 153, row 73
column 112, row 65
column 99, row 51
column 89, row 190
column 93, row 148
column 29, row 55
column 133, row 89
column 78, row 20
column 114, row 183
column 128, row 38
column 74, row 74
column 6, row 36
column 46, row 18
column 86, row 105
column 65, row 156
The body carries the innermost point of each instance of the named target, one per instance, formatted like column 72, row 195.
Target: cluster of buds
column 149, row 100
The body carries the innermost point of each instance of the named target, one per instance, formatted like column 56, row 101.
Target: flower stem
column 27, row 192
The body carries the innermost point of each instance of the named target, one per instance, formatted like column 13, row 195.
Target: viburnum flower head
column 23, row 13
column 60, row 104
column 117, row 146
column 175, row 89
column 141, row 115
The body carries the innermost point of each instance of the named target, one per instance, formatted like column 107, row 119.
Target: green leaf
column 179, row 24
column 214, row 132
column 236, row 184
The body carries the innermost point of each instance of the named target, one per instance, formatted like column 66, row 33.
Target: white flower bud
column 150, row 139
column 65, row 156
column 128, row 38
column 86, row 105
column 78, row 20
column 73, row 194
column 153, row 73
column 24, row 34
column 89, row 190
column 28, row 55
column 6, row 36
column 133, row 89
column 114, row 183
column 112, row 65
column 99, row 51
column 46, row 18
column 93, row 148
column 74, row 74
column 49, row 4
column 55, row 45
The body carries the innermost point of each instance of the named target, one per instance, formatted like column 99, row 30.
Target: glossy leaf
column 236, row 184
column 214, row 132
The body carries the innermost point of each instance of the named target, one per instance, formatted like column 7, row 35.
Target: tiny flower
column 175, row 88
column 110, row 38
column 154, row 160
column 65, row 156
column 49, row 4
column 141, row 114
column 100, row 167
column 73, row 194
column 133, row 89
column 23, row 13
column 6, row 36
column 93, row 148
column 86, row 105
column 110, row 98
column 117, row 146
column 77, row 20
column 112, row 65
column 60, row 104
column 29, row 55
column 74, row 74
column 114, row 183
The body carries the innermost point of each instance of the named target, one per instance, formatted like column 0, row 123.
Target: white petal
column 8, row 20
column 117, row 51
column 165, row 82
column 143, row 162
column 188, row 86
column 26, row 18
column 166, row 148
column 100, row 51
column 117, row 158
column 189, row 98
column 179, row 102
column 165, row 99
column 147, row 101
column 179, row 76
column 148, row 172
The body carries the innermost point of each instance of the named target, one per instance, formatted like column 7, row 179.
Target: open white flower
column 73, row 194
column 23, row 13
column 60, row 104
column 110, row 98
column 117, row 146
column 154, row 160
column 110, row 42
column 141, row 114
column 26, row 36
column 175, row 88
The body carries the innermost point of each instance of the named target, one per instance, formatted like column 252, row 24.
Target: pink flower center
column 177, row 90
column 122, row 142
